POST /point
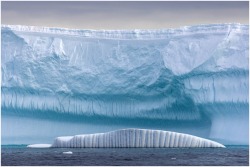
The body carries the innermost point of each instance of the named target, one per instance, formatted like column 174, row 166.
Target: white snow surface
column 130, row 138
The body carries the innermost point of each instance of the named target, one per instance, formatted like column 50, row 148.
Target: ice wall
column 132, row 138
column 185, row 78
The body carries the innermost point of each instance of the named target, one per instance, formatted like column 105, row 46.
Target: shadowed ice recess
column 58, row 82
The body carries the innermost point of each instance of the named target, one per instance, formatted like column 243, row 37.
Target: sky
column 123, row 15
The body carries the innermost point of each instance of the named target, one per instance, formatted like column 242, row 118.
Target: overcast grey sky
column 123, row 15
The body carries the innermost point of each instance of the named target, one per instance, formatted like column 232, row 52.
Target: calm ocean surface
column 20, row 155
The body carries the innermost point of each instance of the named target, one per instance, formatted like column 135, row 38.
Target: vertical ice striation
column 132, row 138
column 193, row 79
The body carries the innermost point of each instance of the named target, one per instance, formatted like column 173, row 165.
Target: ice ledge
column 132, row 138
column 133, row 34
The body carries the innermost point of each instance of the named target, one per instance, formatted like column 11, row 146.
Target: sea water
column 23, row 156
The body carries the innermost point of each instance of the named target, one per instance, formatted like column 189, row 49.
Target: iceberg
column 39, row 146
column 193, row 80
column 133, row 138
column 68, row 152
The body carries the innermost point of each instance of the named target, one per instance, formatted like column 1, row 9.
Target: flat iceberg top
column 133, row 34
column 131, row 138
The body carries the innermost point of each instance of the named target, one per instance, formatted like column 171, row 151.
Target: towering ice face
column 66, row 82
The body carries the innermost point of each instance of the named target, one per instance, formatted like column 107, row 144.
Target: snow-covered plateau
column 58, row 82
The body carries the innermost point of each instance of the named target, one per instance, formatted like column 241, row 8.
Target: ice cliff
column 193, row 79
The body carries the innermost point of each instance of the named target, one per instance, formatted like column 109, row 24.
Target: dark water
column 20, row 155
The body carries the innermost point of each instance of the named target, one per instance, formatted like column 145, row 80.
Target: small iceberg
column 68, row 152
column 39, row 146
